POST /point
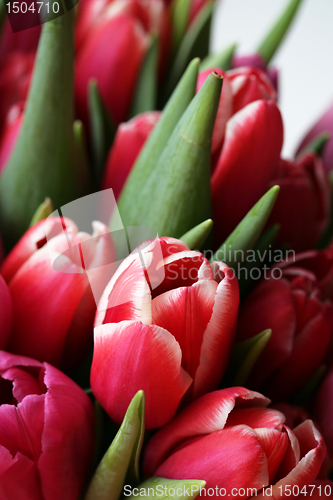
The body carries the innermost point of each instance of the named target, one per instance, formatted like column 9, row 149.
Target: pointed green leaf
column 43, row 161
column 152, row 150
column 167, row 489
column 318, row 144
column 277, row 33
column 247, row 232
column 176, row 196
column 102, row 130
column 220, row 60
column 180, row 11
column 309, row 389
column 261, row 251
column 194, row 44
column 244, row 356
column 81, row 155
column 145, row 95
column 43, row 211
column 121, row 461
column 195, row 238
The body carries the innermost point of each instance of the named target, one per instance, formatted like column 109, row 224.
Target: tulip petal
column 274, row 443
column 256, row 418
column 131, row 356
column 60, row 456
column 185, row 313
column 216, row 457
column 18, row 477
column 203, row 416
column 219, row 335
column 6, row 317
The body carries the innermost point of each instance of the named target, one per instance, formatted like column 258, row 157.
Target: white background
column 305, row 59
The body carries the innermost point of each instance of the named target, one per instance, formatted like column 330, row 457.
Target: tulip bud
column 6, row 314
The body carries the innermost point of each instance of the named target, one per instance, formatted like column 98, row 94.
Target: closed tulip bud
column 6, row 314
column 10, row 133
column 46, row 432
column 166, row 328
column 231, row 440
column 247, row 163
column 112, row 39
column 256, row 61
column 295, row 301
column 303, row 206
column 130, row 138
column 53, row 300
column 15, row 77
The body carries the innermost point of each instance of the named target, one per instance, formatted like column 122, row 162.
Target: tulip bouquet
column 183, row 349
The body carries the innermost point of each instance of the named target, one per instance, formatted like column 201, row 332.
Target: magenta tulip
column 6, row 314
column 53, row 301
column 295, row 301
column 46, row 432
column 230, row 439
column 172, row 340
column 127, row 144
column 248, row 162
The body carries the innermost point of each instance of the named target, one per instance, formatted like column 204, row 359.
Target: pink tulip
column 46, row 432
column 303, row 206
column 171, row 339
column 15, row 77
column 256, row 61
column 230, row 439
column 10, row 133
column 6, row 314
column 324, row 124
column 112, row 42
column 298, row 308
column 53, row 300
column 127, row 144
column 248, row 162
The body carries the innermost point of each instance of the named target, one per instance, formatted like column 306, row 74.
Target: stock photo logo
column 25, row 14
column 98, row 255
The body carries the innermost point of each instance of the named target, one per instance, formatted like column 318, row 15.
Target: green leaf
column 167, row 489
column 273, row 39
column 43, row 162
column 310, row 388
column 260, row 249
column 148, row 158
column 194, row 44
column 220, row 60
column 121, row 461
column 176, row 196
column 43, row 211
column 145, row 96
column 244, row 357
column 318, row 144
column 244, row 237
column 102, row 130
column 81, row 153
column 195, row 238
column 180, row 11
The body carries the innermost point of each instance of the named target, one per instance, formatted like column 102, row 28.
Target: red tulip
column 230, row 440
column 127, row 144
column 166, row 329
column 324, row 124
column 247, row 163
column 112, row 41
column 54, row 304
column 324, row 410
column 303, row 206
column 15, row 77
column 298, row 308
column 256, row 61
column 6, row 314
column 10, row 133
column 46, row 432
column 22, row 41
